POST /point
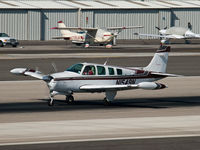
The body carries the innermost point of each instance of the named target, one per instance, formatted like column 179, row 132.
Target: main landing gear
column 69, row 99
column 106, row 102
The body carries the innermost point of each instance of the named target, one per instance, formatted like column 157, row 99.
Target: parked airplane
column 85, row 36
column 173, row 33
column 89, row 77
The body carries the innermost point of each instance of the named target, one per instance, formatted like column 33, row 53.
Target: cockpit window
column 75, row 68
column 3, row 35
column 89, row 70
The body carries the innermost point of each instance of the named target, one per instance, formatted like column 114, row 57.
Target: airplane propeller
column 157, row 28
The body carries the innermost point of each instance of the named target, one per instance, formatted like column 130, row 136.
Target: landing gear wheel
column 106, row 102
column 1, row 44
column 69, row 99
column 51, row 102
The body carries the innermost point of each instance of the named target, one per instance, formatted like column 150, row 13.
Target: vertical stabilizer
column 64, row 32
column 159, row 61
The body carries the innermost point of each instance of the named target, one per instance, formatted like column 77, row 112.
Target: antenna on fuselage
column 106, row 61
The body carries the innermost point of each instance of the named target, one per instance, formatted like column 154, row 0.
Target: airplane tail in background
column 159, row 61
column 64, row 32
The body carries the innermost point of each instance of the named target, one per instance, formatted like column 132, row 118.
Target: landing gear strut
column 51, row 101
column 69, row 99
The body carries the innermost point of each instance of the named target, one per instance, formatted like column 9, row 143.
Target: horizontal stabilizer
column 165, row 74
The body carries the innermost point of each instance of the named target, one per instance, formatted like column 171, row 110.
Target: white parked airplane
column 86, row 36
column 173, row 33
column 89, row 77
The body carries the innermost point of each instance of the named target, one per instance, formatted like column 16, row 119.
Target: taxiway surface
column 163, row 119
column 172, row 114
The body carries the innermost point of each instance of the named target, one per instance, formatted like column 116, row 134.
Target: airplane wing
column 90, row 35
column 170, row 36
column 150, row 35
column 197, row 35
column 142, row 85
column 28, row 72
column 118, row 28
column 74, row 28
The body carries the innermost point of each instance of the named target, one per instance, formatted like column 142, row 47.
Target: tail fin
column 64, row 32
column 159, row 61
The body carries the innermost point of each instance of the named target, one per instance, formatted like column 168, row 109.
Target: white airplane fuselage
column 68, row 82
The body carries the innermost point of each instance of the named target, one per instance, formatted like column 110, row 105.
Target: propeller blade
column 157, row 28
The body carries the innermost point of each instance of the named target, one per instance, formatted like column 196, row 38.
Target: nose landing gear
column 51, row 101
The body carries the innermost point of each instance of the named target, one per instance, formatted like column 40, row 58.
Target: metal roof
column 97, row 4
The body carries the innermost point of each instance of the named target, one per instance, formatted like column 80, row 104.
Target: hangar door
column 14, row 23
column 49, row 19
column 134, row 17
column 164, row 19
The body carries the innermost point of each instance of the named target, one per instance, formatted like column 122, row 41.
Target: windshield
column 75, row 68
column 3, row 35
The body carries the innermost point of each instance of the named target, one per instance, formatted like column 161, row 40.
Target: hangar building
column 32, row 19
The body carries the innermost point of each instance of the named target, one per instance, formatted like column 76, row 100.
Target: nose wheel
column 69, row 99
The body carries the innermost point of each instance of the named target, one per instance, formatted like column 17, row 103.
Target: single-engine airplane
column 86, row 36
column 89, row 77
column 166, row 35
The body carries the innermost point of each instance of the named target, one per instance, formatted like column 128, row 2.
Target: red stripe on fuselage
column 108, row 77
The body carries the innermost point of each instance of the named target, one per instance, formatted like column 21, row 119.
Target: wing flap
column 73, row 28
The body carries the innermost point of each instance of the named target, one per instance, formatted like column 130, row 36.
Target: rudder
column 159, row 61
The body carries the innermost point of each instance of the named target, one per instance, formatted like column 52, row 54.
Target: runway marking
column 89, row 55
column 100, row 139
column 100, row 129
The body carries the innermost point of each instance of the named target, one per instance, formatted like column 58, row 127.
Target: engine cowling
column 151, row 86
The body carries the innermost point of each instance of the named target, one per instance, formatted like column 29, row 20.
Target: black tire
column 106, row 102
column 69, row 99
column 14, row 45
column 1, row 44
